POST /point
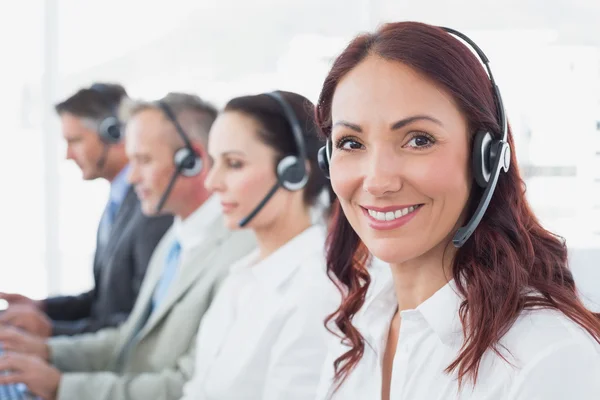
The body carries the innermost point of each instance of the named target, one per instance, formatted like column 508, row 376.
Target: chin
column 148, row 208
column 232, row 222
column 392, row 250
column 87, row 176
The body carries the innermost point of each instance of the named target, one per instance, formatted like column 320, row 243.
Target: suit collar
column 193, row 264
column 192, row 231
column 119, row 187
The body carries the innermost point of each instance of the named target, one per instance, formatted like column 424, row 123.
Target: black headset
column 491, row 152
column 291, row 170
column 109, row 128
column 187, row 160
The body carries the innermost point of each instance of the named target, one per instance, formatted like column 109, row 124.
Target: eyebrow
column 396, row 125
column 232, row 152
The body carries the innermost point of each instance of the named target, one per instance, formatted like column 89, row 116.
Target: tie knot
column 112, row 208
column 175, row 249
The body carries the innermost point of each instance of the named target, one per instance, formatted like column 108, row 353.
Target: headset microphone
column 102, row 160
column 491, row 152
column 165, row 196
column 291, row 170
column 264, row 201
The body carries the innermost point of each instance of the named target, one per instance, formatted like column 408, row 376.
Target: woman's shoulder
column 542, row 332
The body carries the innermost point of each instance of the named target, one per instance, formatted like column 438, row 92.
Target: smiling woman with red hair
column 479, row 302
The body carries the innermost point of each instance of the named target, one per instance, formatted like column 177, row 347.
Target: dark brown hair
column 511, row 263
column 93, row 104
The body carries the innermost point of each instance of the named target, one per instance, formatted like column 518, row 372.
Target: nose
column 133, row 177
column 214, row 180
column 69, row 153
column 383, row 173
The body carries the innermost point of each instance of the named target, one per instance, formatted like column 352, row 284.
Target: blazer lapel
column 123, row 217
column 192, row 267
column 105, row 250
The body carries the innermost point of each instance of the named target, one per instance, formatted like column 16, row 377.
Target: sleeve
column 87, row 325
column 89, row 352
column 298, row 354
column 164, row 385
column 69, row 308
column 570, row 370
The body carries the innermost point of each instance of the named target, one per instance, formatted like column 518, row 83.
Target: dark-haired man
column 126, row 237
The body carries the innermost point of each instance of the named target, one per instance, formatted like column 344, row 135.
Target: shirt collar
column 441, row 311
column 275, row 269
column 119, row 186
column 192, row 231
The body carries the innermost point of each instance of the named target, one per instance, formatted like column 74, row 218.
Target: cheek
column 250, row 188
column 345, row 176
column 156, row 176
column 446, row 181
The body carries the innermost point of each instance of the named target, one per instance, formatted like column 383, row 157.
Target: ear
column 308, row 167
column 201, row 151
column 206, row 160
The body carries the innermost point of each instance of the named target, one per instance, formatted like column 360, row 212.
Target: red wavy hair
column 509, row 254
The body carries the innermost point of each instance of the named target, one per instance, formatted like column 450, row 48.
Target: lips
column 228, row 207
column 388, row 218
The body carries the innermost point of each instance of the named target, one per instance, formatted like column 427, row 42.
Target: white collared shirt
column 263, row 337
column 554, row 359
column 192, row 231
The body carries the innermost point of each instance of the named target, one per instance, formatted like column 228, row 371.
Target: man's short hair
column 194, row 114
column 93, row 104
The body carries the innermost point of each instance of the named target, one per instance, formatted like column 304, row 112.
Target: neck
column 284, row 229
column 417, row 280
column 113, row 167
column 189, row 207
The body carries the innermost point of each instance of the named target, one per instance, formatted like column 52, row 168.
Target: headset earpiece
column 291, row 173
column 323, row 158
column 481, row 157
column 110, row 130
column 188, row 163
column 323, row 162
column 291, row 170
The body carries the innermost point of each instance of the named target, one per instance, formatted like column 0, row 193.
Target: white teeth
column 391, row 215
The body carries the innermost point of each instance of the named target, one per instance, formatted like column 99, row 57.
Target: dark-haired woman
column 263, row 336
column 418, row 143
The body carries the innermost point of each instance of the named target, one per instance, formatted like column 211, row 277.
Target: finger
column 8, row 316
column 9, row 296
column 7, row 333
column 15, row 347
column 11, row 378
column 14, row 362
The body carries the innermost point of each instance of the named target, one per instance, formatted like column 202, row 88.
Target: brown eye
column 420, row 141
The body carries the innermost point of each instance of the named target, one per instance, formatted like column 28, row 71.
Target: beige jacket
column 155, row 364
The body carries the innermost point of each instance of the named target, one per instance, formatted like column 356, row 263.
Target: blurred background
column 545, row 56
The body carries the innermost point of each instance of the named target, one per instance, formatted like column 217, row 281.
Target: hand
column 29, row 319
column 17, row 299
column 41, row 379
column 18, row 341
